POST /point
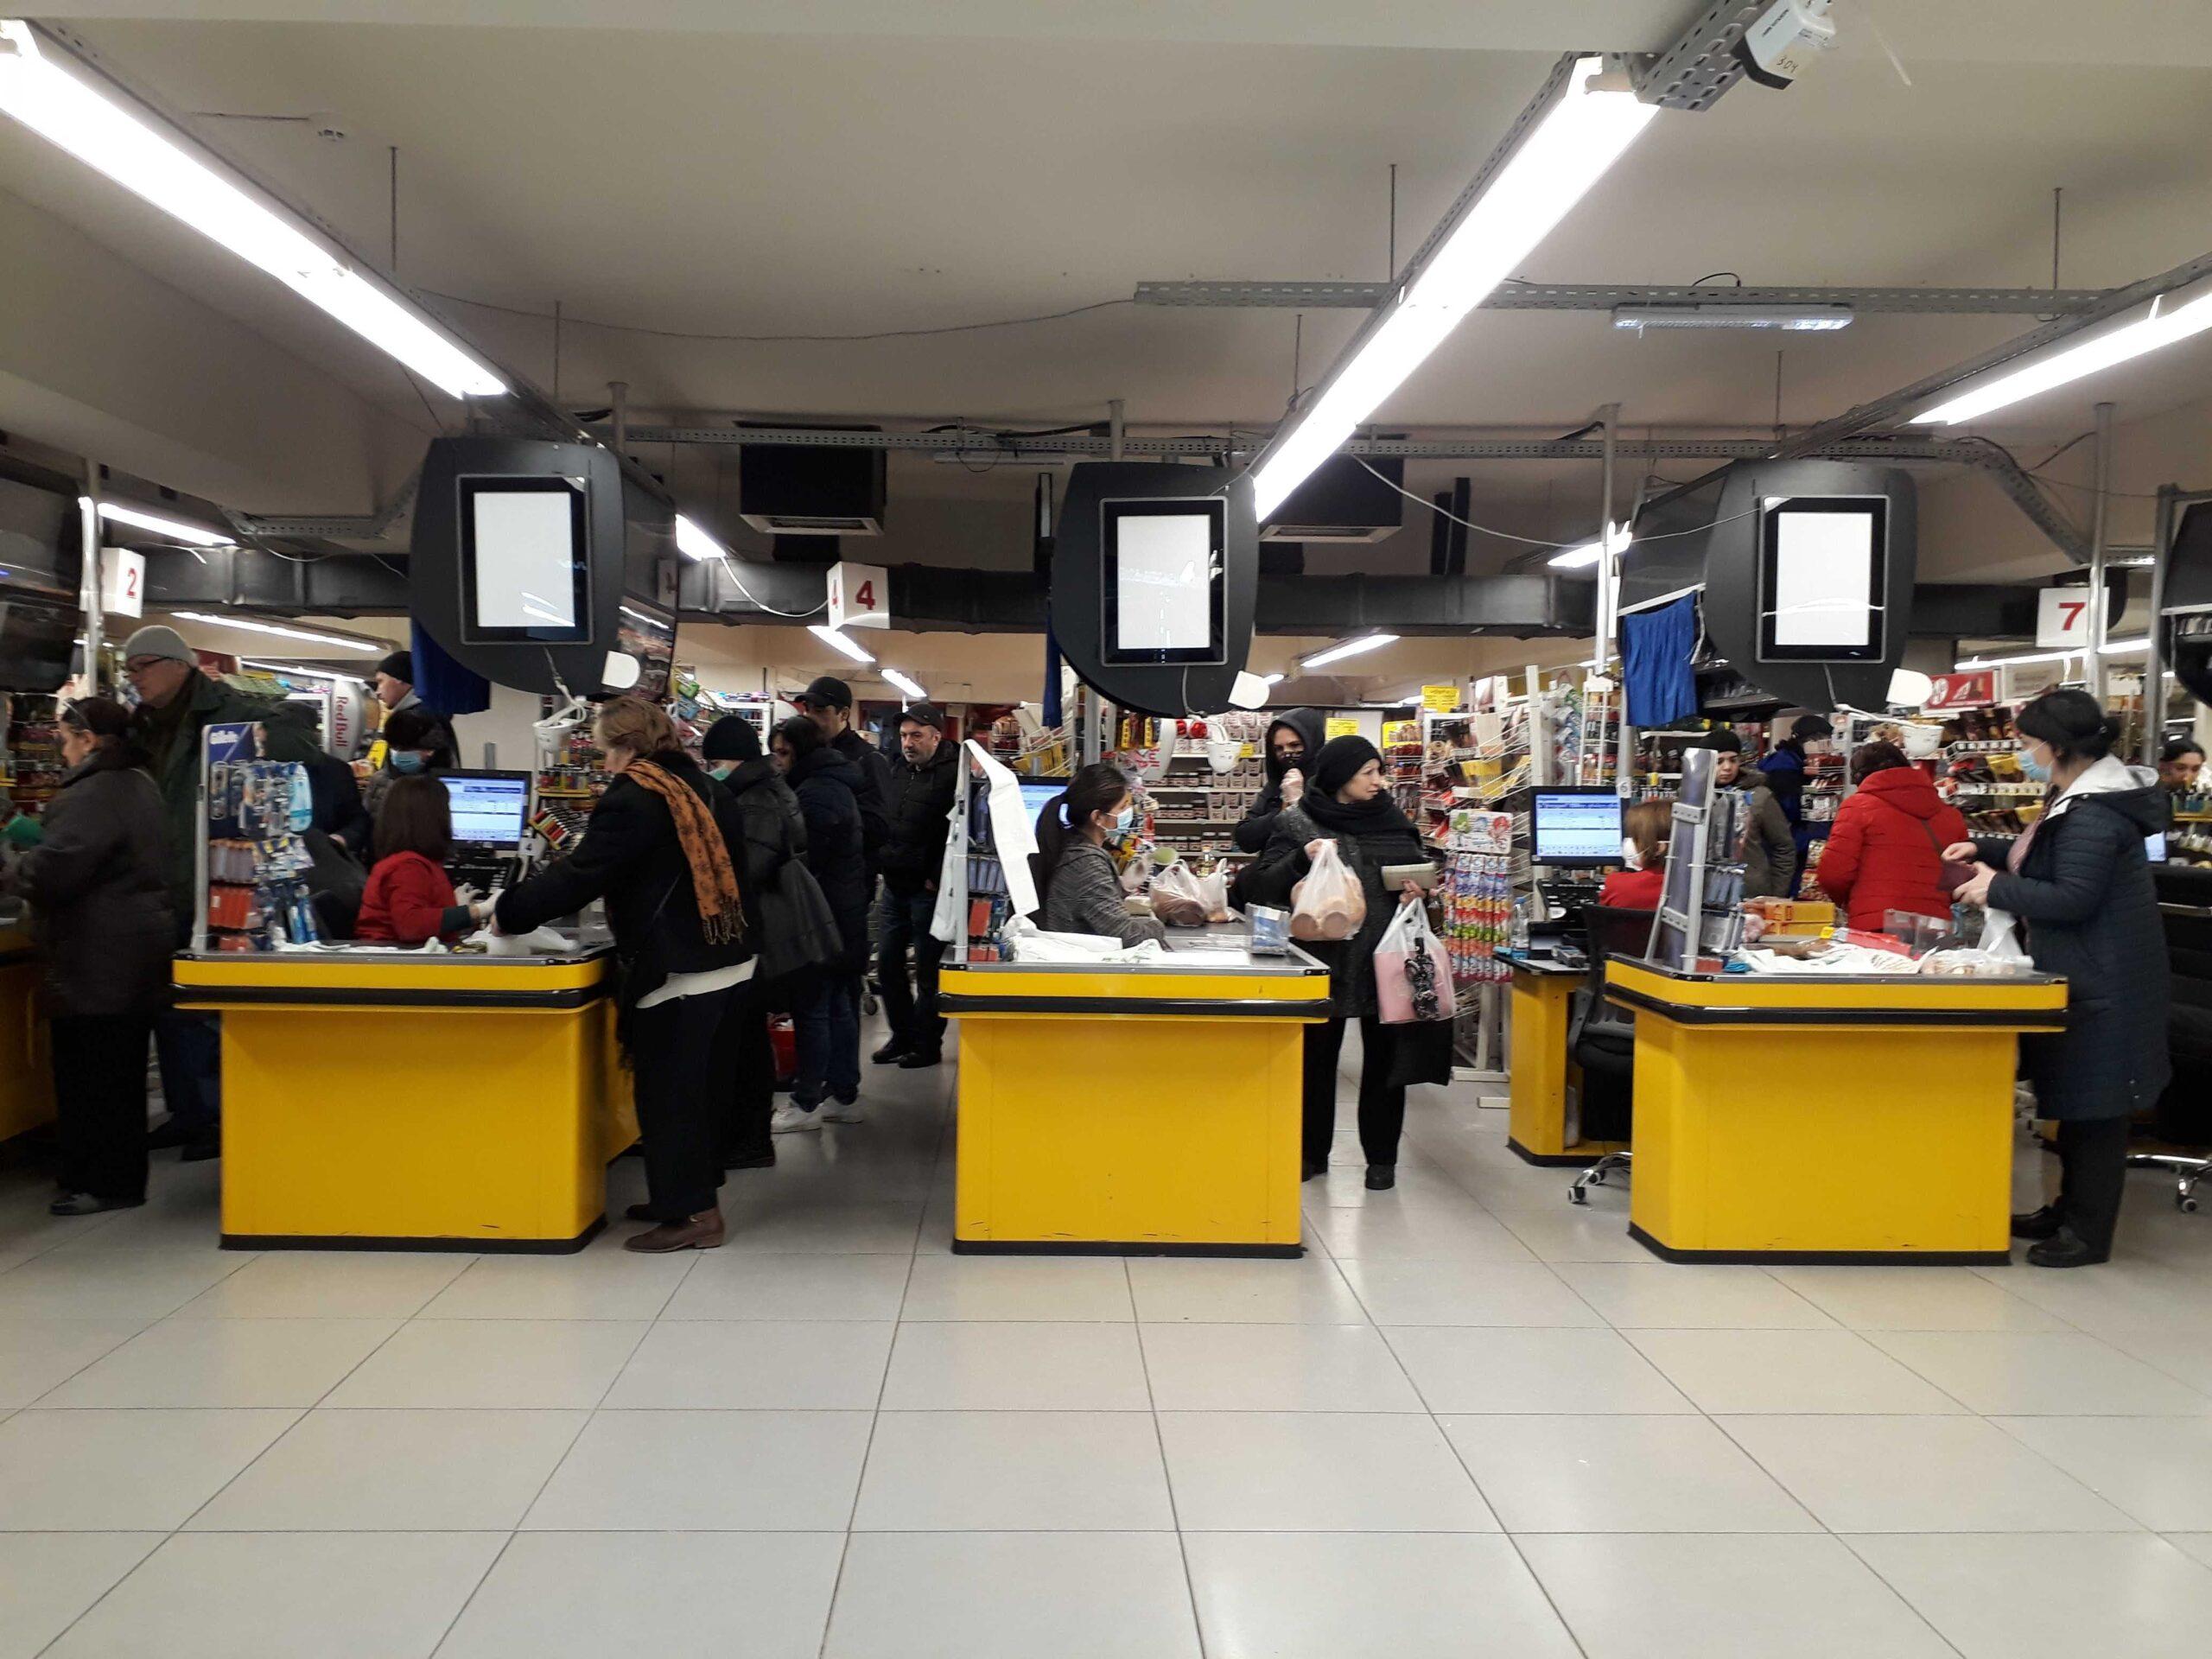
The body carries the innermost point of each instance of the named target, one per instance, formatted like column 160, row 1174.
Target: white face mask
column 1630, row 856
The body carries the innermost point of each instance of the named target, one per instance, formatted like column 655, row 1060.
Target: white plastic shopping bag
column 1412, row 972
column 2001, row 937
column 1330, row 903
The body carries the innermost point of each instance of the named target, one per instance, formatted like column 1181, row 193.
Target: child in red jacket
column 1886, row 851
column 408, row 898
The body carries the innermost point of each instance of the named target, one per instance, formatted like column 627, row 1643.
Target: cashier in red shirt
column 408, row 898
column 1645, row 852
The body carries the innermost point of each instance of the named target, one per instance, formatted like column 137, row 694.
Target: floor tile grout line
column 1167, row 1475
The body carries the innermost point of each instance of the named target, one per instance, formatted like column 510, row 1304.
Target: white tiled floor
column 1473, row 1419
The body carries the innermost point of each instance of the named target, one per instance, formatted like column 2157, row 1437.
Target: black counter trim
column 1142, row 1008
column 1554, row 1159
column 1826, row 1258
column 1107, row 1247
column 359, row 996
column 1686, row 1013
column 439, row 1244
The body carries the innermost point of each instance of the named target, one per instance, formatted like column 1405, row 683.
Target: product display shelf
column 1700, row 908
column 1487, row 870
column 31, row 768
column 1194, row 809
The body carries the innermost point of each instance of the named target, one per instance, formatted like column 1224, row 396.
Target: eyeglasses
column 140, row 664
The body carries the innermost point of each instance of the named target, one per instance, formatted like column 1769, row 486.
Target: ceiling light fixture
column 296, row 668
column 695, row 543
column 1582, row 557
column 2111, row 648
column 1788, row 319
column 1271, row 679
column 2167, row 319
column 894, row 677
column 367, row 647
column 44, row 86
column 174, row 529
column 1592, row 118
column 1337, row 653
column 837, row 636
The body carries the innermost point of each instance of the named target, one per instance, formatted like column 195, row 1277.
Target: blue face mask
column 2033, row 767
column 406, row 761
column 721, row 774
column 1126, row 819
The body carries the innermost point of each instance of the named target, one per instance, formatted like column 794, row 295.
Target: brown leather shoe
column 701, row 1232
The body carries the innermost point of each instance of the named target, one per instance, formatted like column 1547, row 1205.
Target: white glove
column 1294, row 787
column 465, row 894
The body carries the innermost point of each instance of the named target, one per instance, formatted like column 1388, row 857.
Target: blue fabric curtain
column 444, row 685
column 1655, row 649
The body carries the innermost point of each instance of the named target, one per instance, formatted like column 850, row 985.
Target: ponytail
column 1095, row 788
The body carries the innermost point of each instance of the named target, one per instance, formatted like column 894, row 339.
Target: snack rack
column 31, row 768
column 249, row 863
column 1700, row 908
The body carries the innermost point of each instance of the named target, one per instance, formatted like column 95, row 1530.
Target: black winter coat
column 921, row 808
column 1260, row 823
column 1351, row 962
column 828, row 786
column 773, row 828
column 98, row 884
column 2085, row 894
column 631, row 857
column 871, row 792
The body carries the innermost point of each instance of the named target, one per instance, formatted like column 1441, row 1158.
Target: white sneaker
column 849, row 1112
column 793, row 1120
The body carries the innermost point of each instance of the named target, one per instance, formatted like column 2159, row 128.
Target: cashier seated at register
column 1083, row 891
column 1643, row 854
column 408, row 898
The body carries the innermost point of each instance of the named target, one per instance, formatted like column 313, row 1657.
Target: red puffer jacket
column 1886, row 850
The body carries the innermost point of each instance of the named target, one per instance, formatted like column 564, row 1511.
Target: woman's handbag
column 798, row 930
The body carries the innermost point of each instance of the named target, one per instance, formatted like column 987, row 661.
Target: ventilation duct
column 812, row 490
column 1343, row 503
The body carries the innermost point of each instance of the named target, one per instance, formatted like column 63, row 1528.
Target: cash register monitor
column 491, row 809
column 1575, row 828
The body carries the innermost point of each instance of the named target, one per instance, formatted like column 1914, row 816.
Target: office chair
column 336, row 914
column 1601, row 1038
column 2185, row 914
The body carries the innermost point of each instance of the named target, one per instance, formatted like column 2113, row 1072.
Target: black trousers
column 1382, row 1106
column 2093, row 1176
column 745, row 1067
column 680, row 1106
column 905, row 920
column 100, row 1089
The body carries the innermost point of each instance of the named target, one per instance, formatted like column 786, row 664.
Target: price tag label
column 1440, row 699
column 1340, row 726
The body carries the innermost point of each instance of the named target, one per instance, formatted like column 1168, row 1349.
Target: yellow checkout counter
column 1825, row 1119
column 26, row 1061
column 1147, row 1107
column 399, row 1100
column 1543, row 1114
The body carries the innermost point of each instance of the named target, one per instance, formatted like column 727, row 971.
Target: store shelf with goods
column 31, row 768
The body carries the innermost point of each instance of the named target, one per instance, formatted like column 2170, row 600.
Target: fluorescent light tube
column 174, row 529
column 294, row 667
column 46, row 90
column 695, row 543
column 1582, row 557
column 1271, row 679
column 896, row 678
column 365, row 647
column 836, row 637
column 1337, row 653
column 1568, row 149
column 1790, row 319
column 2112, row 648
column 2169, row 318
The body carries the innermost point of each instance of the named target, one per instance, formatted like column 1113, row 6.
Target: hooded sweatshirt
column 1311, row 729
column 1886, row 851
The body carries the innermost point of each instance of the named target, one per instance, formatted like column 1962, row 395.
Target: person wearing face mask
column 2179, row 763
column 1642, row 877
column 2080, row 883
column 1770, row 850
column 1075, row 873
column 415, row 743
column 1349, row 804
column 98, row 885
column 1294, row 737
column 828, row 1017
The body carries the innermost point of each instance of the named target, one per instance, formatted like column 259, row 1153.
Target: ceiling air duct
column 813, row 489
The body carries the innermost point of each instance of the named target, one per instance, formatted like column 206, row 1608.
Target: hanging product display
column 253, row 863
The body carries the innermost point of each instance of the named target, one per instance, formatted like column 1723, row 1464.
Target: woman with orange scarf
column 658, row 850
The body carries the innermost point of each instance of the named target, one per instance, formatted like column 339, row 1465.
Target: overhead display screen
column 1821, row 573
column 525, row 563
column 1163, row 578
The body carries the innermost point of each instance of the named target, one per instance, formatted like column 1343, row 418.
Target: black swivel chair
column 2185, row 910
column 1601, row 1038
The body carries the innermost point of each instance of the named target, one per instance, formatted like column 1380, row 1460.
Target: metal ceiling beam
column 1702, row 64
column 1606, row 296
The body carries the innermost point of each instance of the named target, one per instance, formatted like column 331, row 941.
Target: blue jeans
column 828, row 1026
column 903, row 921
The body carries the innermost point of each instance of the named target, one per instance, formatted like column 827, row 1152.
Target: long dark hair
column 416, row 816
column 801, row 735
column 1096, row 788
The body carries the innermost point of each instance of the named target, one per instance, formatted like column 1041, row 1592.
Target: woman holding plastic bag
column 2078, row 884
column 1325, row 860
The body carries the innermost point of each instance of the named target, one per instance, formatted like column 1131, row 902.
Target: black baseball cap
column 827, row 691
column 923, row 714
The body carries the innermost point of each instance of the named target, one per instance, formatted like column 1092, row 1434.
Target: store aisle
column 1474, row 1420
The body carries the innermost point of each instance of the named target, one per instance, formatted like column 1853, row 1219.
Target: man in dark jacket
column 828, row 1017
column 394, row 685
column 922, row 788
column 1769, row 850
column 828, row 701
column 1787, row 775
column 177, row 703
column 1292, row 742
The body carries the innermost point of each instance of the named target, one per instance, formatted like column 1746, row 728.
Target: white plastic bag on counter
column 1024, row 941
column 540, row 942
column 2001, row 937
column 1176, row 897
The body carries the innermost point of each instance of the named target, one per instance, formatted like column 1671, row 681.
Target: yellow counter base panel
column 416, row 1106
column 1898, row 1150
column 1543, row 1077
column 25, row 1052
column 1119, row 1115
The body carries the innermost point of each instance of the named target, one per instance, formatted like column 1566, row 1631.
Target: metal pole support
column 2101, row 514
column 1609, row 578
column 94, row 616
column 2154, row 661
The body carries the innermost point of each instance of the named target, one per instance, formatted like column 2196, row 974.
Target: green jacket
column 214, row 702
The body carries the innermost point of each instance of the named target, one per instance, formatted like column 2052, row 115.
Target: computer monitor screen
column 1577, row 827
column 1820, row 579
column 490, row 808
column 524, row 568
column 1164, row 578
column 1035, row 793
